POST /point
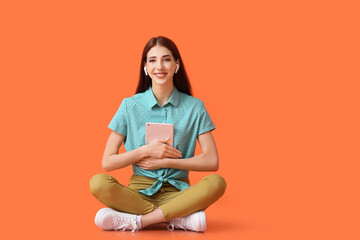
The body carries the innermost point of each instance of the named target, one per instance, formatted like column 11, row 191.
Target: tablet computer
column 159, row 131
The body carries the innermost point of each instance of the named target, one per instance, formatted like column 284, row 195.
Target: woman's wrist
column 144, row 152
column 168, row 162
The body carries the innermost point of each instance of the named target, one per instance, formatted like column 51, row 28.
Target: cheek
column 170, row 68
column 150, row 68
column 171, row 65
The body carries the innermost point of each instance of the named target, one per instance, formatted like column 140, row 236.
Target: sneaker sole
column 202, row 217
column 99, row 216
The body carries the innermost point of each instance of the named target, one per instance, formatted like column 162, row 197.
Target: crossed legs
column 121, row 198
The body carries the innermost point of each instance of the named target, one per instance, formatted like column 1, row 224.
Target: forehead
column 158, row 52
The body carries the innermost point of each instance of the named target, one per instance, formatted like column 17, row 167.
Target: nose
column 159, row 65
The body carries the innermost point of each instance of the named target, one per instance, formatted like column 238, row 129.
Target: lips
column 160, row 75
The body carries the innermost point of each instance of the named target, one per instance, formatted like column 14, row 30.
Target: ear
column 178, row 63
column 145, row 71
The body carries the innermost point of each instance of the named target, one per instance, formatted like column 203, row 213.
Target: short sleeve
column 205, row 122
column 119, row 122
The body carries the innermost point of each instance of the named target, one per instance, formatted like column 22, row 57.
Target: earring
column 177, row 68
column 145, row 71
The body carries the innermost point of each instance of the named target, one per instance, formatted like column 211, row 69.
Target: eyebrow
column 162, row 56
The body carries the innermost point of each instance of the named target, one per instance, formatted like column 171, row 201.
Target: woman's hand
column 159, row 149
column 151, row 163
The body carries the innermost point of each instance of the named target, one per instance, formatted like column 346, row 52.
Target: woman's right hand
column 160, row 149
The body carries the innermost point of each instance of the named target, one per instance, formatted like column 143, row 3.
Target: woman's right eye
column 151, row 60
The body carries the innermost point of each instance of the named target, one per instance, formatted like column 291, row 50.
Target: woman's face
column 160, row 65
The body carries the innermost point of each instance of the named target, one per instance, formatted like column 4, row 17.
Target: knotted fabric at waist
column 149, row 186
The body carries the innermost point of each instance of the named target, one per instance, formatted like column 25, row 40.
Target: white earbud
column 145, row 71
column 177, row 68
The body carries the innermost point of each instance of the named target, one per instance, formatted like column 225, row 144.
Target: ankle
column 153, row 217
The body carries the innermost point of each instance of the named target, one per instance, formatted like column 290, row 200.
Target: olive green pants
column 173, row 202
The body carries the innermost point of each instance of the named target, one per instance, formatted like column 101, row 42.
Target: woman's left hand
column 151, row 163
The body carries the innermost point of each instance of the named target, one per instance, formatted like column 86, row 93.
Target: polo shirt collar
column 175, row 97
column 151, row 100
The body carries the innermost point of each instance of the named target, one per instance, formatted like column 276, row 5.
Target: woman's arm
column 208, row 160
column 112, row 160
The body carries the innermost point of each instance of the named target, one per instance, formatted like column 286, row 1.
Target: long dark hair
column 181, row 80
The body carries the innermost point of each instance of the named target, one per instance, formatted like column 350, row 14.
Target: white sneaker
column 194, row 222
column 109, row 219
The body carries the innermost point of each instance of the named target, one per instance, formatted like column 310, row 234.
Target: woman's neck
column 162, row 93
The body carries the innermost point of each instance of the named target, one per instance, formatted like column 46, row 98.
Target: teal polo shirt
column 190, row 119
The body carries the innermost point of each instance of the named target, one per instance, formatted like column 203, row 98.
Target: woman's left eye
column 168, row 59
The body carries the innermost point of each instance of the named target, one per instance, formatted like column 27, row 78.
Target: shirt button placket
column 164, row 114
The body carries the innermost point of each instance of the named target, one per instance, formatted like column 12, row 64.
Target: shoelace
column 124, row 223
column 178, row 223
column 171, row 227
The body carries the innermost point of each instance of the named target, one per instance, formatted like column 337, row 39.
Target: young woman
column 159, row 190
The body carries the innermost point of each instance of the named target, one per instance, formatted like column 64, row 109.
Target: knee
column 217, row 184
column 98, row 183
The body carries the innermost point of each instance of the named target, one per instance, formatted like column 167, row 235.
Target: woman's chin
column 160, row 82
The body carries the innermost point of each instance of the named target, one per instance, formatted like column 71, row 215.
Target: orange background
column 280, row 80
